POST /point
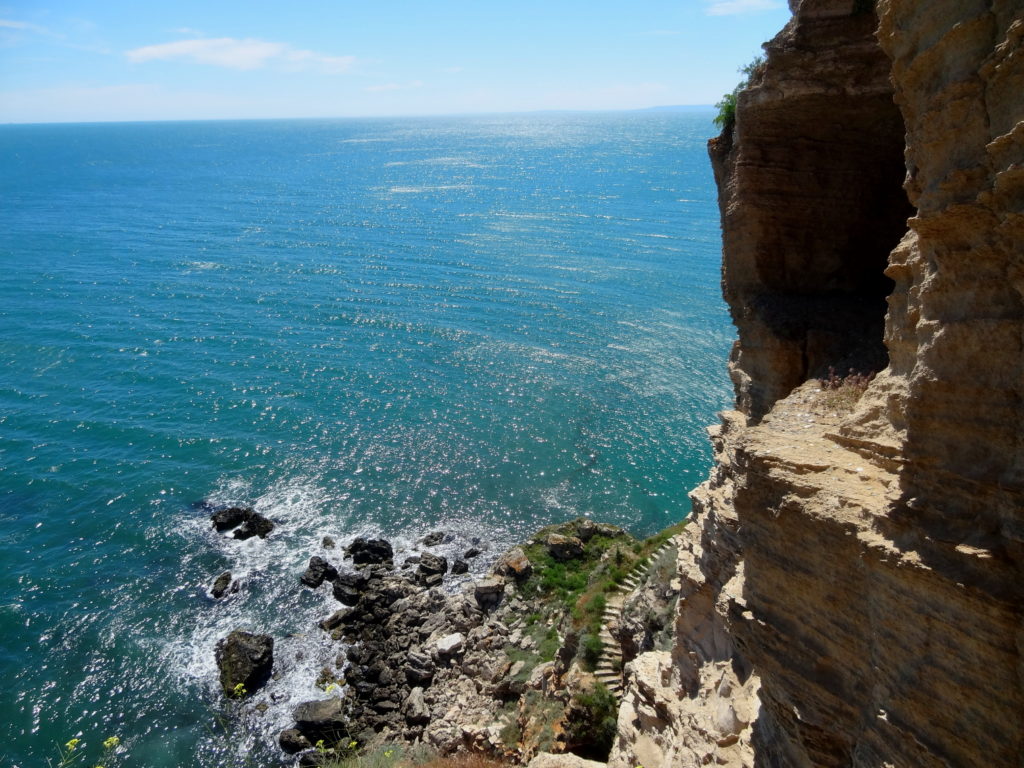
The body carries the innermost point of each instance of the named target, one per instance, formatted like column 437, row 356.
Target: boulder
column 565, row 760
column 244, row 658
column 221, row 585
column 334, row 621
column 459, row 567
column 256, row 525
column 324, row 719
column 232, row 517
column 419, row 667
column 431, row 563
column 415, row 708
column 348, row 587
column 472, row 552
column 450, row 645
column 371, row 551
column 315, row 759
column 317, row 572
column 488, row 593
column 291, row 741
column 433, row 539
column 514, row 563
column 327, row 542
column 564, row 547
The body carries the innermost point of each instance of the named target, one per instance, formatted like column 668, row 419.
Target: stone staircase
column 609, row 664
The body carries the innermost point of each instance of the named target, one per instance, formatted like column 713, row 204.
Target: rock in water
column 431, row 563
column 232, row 517
column 317, row 572
column 256, row 525
column 247, row 522
column 291, row 741
column 371, row 551
column 460, row 566
column 246, row 659
column 221, row 585
column 433, row 539
column 348, row 587
column 321, row 720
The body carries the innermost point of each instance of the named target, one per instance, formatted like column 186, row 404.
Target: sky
column 120, row 60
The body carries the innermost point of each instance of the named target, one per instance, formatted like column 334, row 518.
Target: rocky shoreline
column 502, row 665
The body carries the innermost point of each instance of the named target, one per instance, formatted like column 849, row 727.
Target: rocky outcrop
column 494, row 665
column 811, row 203
column 245, row 661
column 851, row 586
column 244, row 521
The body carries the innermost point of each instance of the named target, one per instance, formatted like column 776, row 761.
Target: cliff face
column 812, row 204
column 852, row 588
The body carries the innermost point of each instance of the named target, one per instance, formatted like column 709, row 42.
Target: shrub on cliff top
column 726, row 117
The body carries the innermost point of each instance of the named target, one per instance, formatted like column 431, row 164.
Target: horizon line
column 655, row 108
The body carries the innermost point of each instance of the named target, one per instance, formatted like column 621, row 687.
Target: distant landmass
column 676, row 108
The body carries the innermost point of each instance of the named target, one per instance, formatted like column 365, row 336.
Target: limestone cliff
column 851, row 587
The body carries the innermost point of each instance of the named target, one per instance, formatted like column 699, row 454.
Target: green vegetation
column 74, row 751
column 591, row 647
column 726, row 117
column 592, row 728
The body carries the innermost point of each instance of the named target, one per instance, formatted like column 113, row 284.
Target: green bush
column 592, row 728
column 591, row 647
column 726, row 117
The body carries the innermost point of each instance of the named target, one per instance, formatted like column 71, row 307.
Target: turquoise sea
column 480, row 324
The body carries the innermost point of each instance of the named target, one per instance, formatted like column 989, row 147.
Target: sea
column 360, row 327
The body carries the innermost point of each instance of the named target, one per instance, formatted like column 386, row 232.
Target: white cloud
column 244, row 54
column 13, row 24
column 734, row 7
column 394, row 86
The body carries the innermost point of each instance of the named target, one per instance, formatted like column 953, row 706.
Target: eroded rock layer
column 852, row 590
column 811, row 202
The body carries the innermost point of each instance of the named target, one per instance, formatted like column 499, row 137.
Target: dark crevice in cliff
column 811, row 191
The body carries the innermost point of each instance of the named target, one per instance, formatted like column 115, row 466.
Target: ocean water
column 359, row 327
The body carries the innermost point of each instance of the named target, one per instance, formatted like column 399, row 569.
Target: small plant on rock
column 726, row 117
column 841, row 393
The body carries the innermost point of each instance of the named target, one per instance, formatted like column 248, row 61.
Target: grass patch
column 590, row 651
column 577, row 590
column 592, row 726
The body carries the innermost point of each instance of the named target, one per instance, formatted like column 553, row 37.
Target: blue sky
column 189, row 59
